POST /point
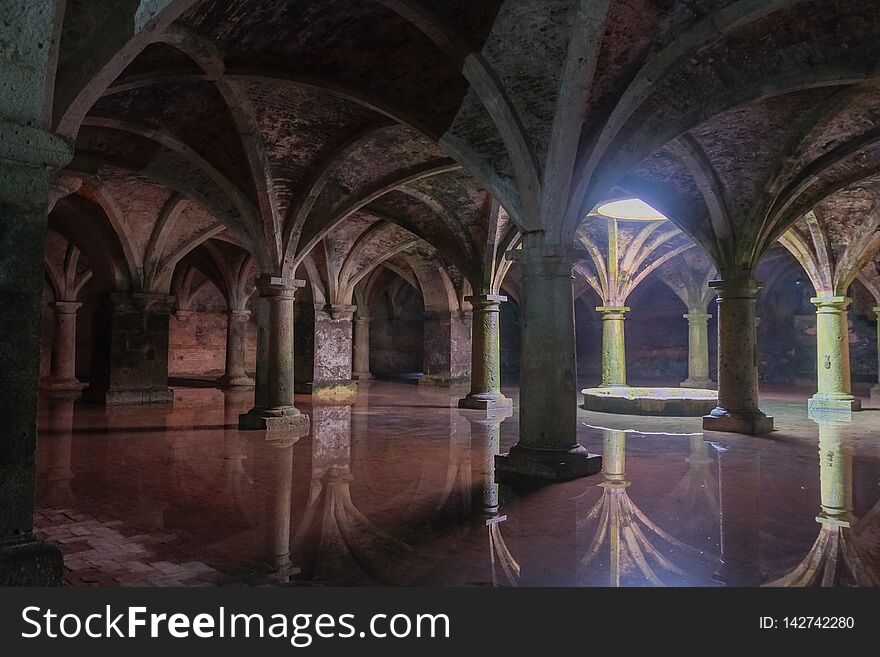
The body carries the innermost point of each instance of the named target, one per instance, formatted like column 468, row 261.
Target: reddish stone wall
column 197, row 345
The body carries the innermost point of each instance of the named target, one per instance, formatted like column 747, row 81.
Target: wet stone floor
column 397, row 489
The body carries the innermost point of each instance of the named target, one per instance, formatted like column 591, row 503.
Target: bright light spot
column 631, row 209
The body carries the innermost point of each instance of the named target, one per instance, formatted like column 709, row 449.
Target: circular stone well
column 627, row 400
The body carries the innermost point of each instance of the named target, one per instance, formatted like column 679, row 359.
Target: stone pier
column 738, row 408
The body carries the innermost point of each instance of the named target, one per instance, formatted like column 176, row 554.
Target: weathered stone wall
column 197, row 345
column 397, row 342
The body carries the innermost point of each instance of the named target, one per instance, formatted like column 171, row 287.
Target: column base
column 287, row 418
column 235, row 382
column 157, row 395
column 445, row 380
column 485, row 401
column 703, row 384
column 362, row 376
column 62, row 385
column 547, row 464
column 338, row 391
column 30, row 562
column 752, row 424
column 821, row 401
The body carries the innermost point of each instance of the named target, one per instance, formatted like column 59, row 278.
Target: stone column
column 737, row 409
column 834, row 389
column 236, row 343
column 613, row 345
column 332, row 376
column 875, row 389
column 26, row 155
column 698, row 351
column 485, row 391
column 361, row 365
column 274, row 408
column 547, row 446
column 62, row 374
column 447, row 348
column 139, row 349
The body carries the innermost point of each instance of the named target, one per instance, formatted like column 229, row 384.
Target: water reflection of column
column 335, row 541
column 235, row 402
column 57, row 473
column 277, row 512
column 739, row 483
column 837, row 556
column 633, row 538
column 485, row 444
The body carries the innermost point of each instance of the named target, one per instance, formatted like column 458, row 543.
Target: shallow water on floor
column 398, row 489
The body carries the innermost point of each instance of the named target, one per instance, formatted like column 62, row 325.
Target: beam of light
column 630, row 209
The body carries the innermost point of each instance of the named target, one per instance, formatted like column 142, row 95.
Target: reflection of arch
column 626, row 528
column 837, row 557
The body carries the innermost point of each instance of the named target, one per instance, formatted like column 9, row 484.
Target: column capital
column 736, row 288
column 66, row 307
column 486, row 301
column 543, row 260
column 608, row 311
column 829, row 304
column 243, row 313
column 876, row 310
column 340, row 310
column 697, row 316
column 278, row 286
column 183, row 315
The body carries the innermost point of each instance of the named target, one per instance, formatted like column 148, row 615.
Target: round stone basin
column 626, row 400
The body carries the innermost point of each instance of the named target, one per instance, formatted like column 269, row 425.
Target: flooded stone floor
column 398, row 490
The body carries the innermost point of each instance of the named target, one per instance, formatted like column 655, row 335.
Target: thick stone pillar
column 737, row 410
column 698, row 351
column 26, row 155
column 447, row 348
column 139, row 349
column 834, row 388
column 274, row 408
column 485, row 391
column 547, row 446
column 62, row 374
column 332, row 375
column 613, row 345
column 236, row 345
column 361, row 358
column 875, row 389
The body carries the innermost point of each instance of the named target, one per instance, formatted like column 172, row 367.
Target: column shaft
column 834, row 388
column 361, row 357
column 737, row 410
column 24, row 560
column 613, row 345
column 274, row 408
column 62, row 374
column 236, row 349
column 485, row 391
column 698, row 351
column 547, row 446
